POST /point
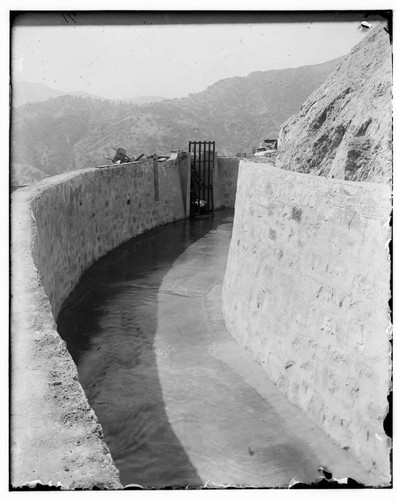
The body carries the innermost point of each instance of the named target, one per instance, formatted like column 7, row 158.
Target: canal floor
column 180, row 403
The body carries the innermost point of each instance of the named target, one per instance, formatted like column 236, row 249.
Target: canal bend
column 180, row 403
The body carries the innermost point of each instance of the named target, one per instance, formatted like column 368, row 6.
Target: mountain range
column 29, row 92
column 69, row 132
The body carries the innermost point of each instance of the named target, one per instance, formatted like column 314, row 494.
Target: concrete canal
column 179, row 401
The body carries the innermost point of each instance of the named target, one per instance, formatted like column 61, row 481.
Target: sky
column 168, row 60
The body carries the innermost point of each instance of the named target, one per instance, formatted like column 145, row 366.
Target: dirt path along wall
column 59, row 227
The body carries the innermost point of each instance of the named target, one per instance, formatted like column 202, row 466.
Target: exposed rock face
column 344, row 129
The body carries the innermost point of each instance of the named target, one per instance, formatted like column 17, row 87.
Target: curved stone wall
column 307, row 289
column 59, row 227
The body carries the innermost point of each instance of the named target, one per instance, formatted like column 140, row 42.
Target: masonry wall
column 307, row 289
column 59, row 227
column 80, row 220
column 225, row 182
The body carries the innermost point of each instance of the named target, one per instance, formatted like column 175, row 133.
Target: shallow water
column 179, row 402
column 109, row 323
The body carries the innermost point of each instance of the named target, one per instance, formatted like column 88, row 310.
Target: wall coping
column 320, row 178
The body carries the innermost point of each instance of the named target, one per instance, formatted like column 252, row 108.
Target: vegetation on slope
column 71, row 132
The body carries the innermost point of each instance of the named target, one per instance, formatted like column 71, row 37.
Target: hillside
column 27, row 92
column 344, row 129
column 143, row 99
column 24, row 92
column 67, row 133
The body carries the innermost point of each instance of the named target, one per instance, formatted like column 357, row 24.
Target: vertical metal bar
column 210, row 168
column 209, row 176
column 204, row 173
column 192, row 181
column 212, row 176
column 195, row 170
column 203, row 168
column 199, row 195
column 207, row 179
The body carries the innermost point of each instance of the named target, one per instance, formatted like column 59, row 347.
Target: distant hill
column 72, row 132
column 144, row 99
column 24, row 92
column 27, row 92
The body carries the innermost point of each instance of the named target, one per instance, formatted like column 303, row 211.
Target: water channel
column 179, row 401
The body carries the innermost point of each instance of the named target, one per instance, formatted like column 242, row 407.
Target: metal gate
column 201, row 186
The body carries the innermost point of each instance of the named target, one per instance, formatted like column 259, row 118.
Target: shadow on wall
column 109, row 323
column 225, row 182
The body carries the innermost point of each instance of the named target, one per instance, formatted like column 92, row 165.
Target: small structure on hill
column 266, row 148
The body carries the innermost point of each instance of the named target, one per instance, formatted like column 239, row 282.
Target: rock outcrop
column 344, row 129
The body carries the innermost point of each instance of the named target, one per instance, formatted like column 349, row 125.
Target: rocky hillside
column 68, row 133
column 344, row 129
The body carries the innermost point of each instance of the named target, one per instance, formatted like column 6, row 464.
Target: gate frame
column 205, row 182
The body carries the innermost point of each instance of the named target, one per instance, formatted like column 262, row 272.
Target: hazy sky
column 169, row 60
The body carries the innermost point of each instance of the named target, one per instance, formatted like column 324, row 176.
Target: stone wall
column 225, row 182
column 85, row 217
column 59, row 227
column 306, row 291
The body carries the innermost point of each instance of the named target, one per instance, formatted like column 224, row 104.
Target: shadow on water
column 109, row 323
